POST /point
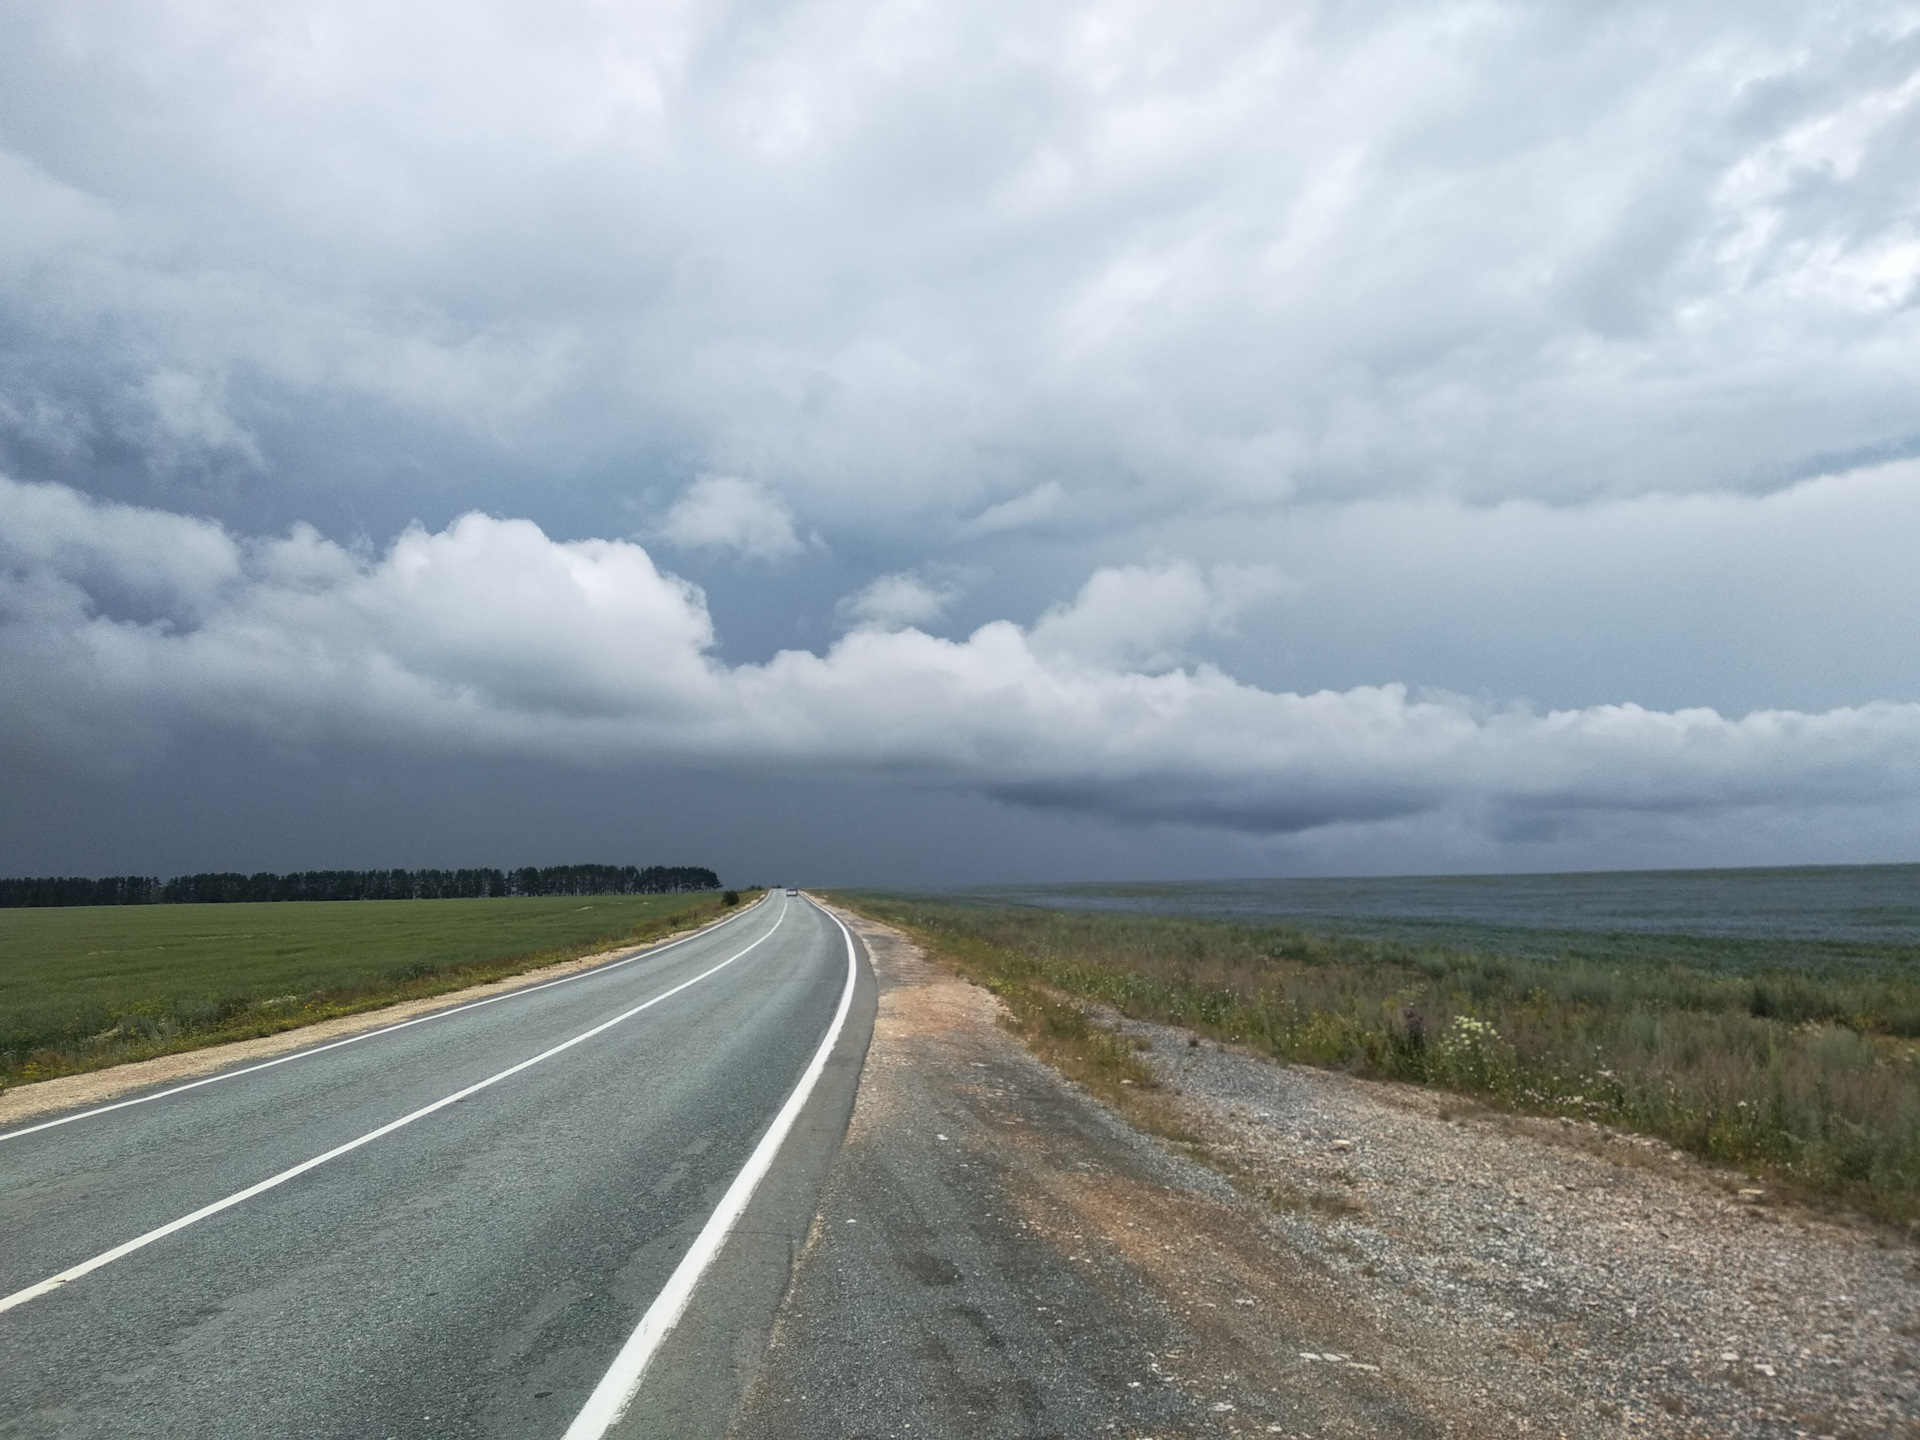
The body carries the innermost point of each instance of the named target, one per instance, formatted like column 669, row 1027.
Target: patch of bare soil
column 998, row 1254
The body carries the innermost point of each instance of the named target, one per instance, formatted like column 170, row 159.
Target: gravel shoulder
column 997, row 1254
column 1601, row 1284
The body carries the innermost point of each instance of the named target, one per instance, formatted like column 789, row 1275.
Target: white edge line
column 659, row 948
column 140, row 1242
column 621, row 1383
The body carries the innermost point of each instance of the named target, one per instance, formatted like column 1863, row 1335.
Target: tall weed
column 1809, row 1076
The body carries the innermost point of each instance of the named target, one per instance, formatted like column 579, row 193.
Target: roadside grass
column 86, row 987
column 1799, row 1063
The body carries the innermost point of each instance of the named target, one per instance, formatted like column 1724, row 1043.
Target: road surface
column 492, row 1200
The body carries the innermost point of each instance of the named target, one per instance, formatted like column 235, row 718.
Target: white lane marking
column 621, row 1383
column 522, row 992
column 140, row 1242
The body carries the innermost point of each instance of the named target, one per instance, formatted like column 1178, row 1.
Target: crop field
column 1796, row 1060
column 87, row 986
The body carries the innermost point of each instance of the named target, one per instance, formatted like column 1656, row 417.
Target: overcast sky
column 920, row 443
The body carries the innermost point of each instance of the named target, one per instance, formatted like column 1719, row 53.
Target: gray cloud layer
column 1287, row 373
column 1232, row 255
column 490, row 637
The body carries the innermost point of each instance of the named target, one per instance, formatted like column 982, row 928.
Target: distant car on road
column 792, row 891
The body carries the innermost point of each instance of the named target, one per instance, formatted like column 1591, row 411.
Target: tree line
column 477, row 884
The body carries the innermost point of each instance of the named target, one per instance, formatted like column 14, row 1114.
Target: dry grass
column 1058, row 1029
column 1809, row 1075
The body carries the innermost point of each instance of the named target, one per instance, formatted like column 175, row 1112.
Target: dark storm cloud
column 491, row 638
column 1266, row 365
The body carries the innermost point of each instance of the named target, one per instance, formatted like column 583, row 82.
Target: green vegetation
column 1794, row 1060
column 86, row 987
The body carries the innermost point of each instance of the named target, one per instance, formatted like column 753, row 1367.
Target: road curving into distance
column 485, row 1223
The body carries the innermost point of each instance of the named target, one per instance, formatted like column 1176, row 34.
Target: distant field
column 88, row 986
column 1798, row 1059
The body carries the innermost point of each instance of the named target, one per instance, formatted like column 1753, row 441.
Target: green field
column 1795, row 1060
column 88, row 986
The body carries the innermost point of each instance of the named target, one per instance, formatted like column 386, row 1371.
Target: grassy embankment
column 90, row 986
column 1797, row 1061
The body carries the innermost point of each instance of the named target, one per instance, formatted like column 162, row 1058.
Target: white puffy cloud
column 1142, row 615
column 893, row 602
column 491, row 637
column 723, row 512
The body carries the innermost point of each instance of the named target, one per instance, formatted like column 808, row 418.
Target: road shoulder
column 995, row 1254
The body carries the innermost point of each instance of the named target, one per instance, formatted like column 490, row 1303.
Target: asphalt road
column 473, row 1272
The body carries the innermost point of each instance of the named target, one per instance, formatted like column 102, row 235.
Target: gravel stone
column 1547, row 1258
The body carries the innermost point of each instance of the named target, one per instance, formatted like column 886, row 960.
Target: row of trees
column 72, row 890
column 215, row 888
